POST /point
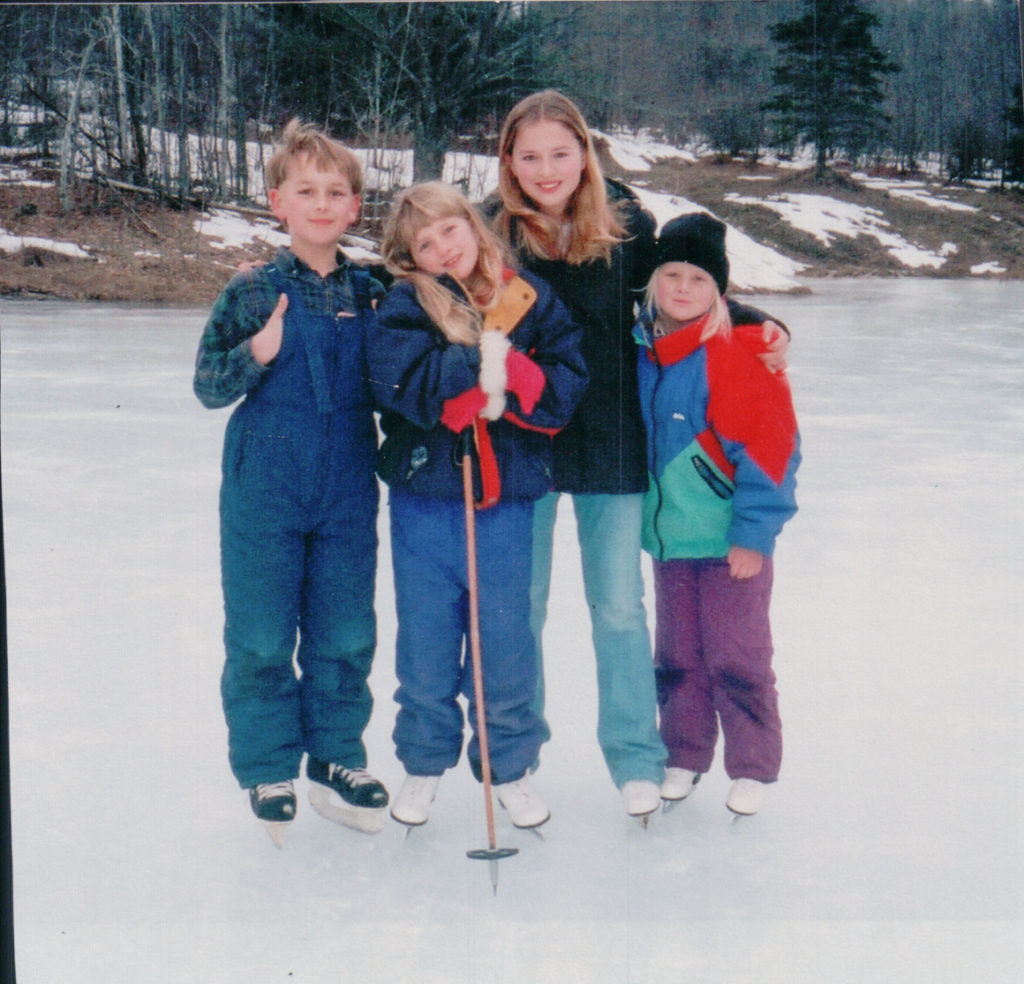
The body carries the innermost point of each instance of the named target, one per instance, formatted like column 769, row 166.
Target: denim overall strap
column 360, row 281
column 317, row 325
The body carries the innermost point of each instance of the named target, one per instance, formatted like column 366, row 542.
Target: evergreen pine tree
column 828, row 81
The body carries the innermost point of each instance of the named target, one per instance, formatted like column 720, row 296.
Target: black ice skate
column 351, row 797
column 274, row 803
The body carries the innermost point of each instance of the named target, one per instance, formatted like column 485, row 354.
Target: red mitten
column 525, row 379
column 459, row 411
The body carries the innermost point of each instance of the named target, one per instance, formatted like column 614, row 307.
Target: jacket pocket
column 721, row 486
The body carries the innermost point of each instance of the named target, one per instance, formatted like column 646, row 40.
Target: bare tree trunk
column 238, row 116
column 67, row 143
column 117, row 40
column 184, row 155
column 159, row 97
column 224, row 106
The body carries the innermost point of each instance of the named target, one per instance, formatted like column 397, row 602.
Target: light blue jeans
column 608, row 529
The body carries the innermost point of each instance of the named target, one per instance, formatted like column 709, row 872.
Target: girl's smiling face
column 446, row 246
column 548, row 162
column 683, row 291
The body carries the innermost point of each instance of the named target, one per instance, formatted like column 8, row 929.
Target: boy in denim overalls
column 298, row 503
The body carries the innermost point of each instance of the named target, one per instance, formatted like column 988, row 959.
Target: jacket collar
column 673, row 347
column 291, row 266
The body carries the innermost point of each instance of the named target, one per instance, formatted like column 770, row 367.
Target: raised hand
column 266, row 343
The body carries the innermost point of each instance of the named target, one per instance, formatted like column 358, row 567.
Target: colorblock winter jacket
column 415, row 371
column 722, row 443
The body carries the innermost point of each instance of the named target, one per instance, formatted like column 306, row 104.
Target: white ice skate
column 412, row 804
column 642, row 798
column 745, row 797
column 678, row 784
column 525, row 808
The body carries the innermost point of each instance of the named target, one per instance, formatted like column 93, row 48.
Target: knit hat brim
column 696, row 238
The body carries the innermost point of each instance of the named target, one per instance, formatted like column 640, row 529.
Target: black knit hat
column 696, row 238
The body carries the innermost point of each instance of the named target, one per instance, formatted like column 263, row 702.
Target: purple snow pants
column 712, row 654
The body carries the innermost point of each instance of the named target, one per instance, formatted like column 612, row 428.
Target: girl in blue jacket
column 444, row 385
column 722, row 452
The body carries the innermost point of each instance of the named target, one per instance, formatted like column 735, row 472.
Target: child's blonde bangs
column 719, row 321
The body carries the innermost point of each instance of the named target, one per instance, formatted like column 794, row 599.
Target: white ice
column 890, row 852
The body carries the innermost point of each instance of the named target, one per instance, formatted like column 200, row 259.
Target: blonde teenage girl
column 444, row 385
column 589, row 238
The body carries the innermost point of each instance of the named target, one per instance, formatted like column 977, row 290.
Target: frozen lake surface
column 890, row 851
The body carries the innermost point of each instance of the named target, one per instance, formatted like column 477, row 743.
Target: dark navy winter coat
column 414, row 369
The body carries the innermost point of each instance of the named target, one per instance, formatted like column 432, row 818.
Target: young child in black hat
column 722, row 451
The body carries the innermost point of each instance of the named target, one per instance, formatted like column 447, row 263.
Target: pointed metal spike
column 494, row 875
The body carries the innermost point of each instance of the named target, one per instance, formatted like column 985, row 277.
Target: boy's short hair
column 303, row 139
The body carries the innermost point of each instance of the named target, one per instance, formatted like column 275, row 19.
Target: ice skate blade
column 275, row 830
column 534, row 827
column 365, row 819
column 408, row 824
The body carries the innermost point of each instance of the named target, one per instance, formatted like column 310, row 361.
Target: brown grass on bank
column 146, row 253
column 141, row 251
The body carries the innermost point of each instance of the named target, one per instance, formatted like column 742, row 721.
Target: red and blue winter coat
column 722, row 443
column 416, row 373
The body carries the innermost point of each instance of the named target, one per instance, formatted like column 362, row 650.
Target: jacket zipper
column 654, row 444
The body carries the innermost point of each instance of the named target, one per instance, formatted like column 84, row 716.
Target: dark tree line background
column 115, row 89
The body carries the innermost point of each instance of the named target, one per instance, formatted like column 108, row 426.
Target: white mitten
column 494, row 348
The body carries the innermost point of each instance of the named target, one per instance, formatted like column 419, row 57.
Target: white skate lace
column 354, row 777
column 274, row 790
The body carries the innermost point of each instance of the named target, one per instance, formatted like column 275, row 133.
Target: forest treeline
column 169, row 96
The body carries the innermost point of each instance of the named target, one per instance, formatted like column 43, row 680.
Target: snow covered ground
column 890, row 851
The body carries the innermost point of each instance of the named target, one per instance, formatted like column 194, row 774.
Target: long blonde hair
column 719, row 321
column 596, row 224
column 457, row 318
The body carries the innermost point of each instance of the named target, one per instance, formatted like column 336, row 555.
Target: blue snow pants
column 428, row 545
column 298, row 513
